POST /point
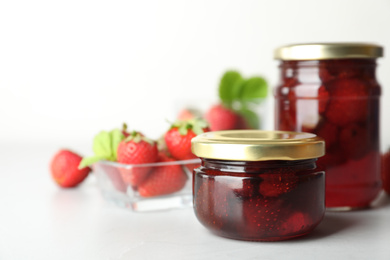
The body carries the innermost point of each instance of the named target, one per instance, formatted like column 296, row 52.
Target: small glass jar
column 258, row 185
column 331, row 90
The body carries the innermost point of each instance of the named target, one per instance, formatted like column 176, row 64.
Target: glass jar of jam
column 258, row 185
column 331, row 90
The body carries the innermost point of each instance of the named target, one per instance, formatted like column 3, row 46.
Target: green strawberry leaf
column 230, row 87
column 254, row 88
column 87, row 161
column 105, row 145
column 102, row 145
column 251, row 118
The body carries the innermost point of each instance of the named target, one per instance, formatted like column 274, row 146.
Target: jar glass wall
column 260, row 201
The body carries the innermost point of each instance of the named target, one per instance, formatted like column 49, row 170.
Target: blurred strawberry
column 385, row 170
column 163, row 180
column 323, row 99
column 328, row 131
column 178, row 137
column 262, row 216
column 354, row 140
column 136, row 149
column 222, row 118
column 188, row 113
column 277, row 183
column 64, row 169
column 348, row 102
column 295, row 224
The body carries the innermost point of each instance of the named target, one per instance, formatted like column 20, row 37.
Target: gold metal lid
column 324, row 51
column 257, row 145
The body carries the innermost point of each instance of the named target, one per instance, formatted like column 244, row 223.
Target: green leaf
column 254, row 88
column 251, row 118
column 87, row 161
column 116, row 137
column 230, row 87
column 102, row 145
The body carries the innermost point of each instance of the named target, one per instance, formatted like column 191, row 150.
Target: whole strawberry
column 136, row 149
column 178, row 138
column 163, row 180
column 386, row 172
column 64, row 169
column 222, row 118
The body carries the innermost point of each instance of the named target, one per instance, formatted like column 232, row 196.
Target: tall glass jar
column 331, row 90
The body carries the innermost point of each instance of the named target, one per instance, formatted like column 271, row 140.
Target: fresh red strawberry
column 385, row 170
column 222, row 118
column 136, row 149
column 65, row 171
column 348, row 102
column 277, row 183
column 163, row 180
column 178, row 138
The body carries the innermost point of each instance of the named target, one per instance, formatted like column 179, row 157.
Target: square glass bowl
column 147, row 187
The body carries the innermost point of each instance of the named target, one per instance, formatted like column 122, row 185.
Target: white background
column 69, row 69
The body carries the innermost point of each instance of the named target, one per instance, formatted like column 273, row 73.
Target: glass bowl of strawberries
column 166, row 184
column 142, row 174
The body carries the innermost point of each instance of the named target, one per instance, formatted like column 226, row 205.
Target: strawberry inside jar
column 336, row 96
column 259, row 185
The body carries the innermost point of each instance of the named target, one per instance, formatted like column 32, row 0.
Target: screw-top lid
column 323, row 51
column 257, row 145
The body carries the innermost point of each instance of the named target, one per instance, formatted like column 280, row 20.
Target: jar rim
column 257, row 145
column 324, row 51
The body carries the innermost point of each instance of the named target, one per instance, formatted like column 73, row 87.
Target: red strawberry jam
column 254, row 193
column 345, row 112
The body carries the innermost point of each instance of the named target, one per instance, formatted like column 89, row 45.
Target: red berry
column 242, row 123
column 354, row 140
column 329, row 132
column 277, row 183
column 295, row 223
column 262, row 216
column 65, row 171
column 179, row 146
column 163, row 180
column 136, row 149
column 348, row 102
column 385, row 170
column 178, row 138
column 187, row 114
column 222, row 118
column 323, row 99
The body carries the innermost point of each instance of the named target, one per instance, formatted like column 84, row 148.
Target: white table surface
column 41, row 221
